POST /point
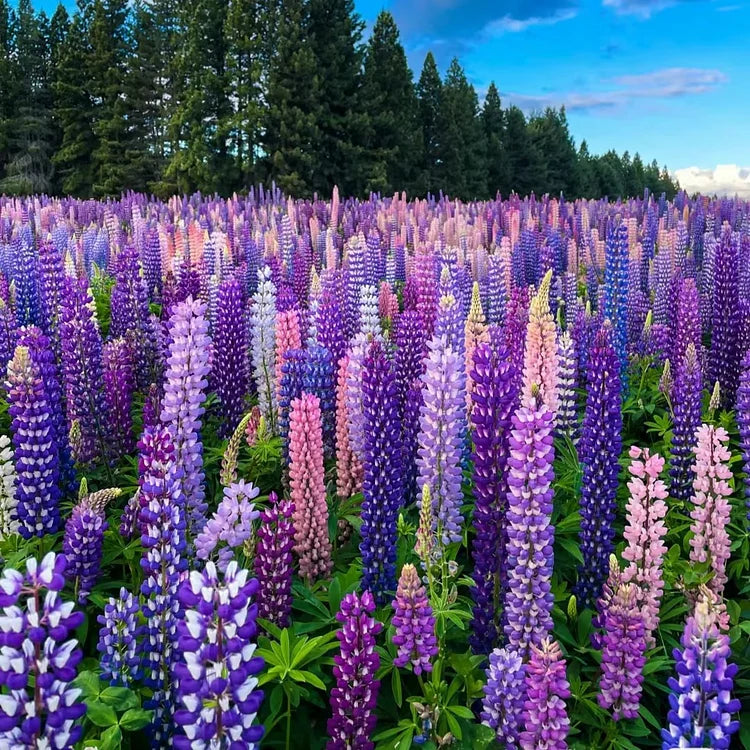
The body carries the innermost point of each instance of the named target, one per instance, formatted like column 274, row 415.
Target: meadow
column 375, row 473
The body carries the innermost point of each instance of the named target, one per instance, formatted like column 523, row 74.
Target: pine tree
column 291, row 121
column 429, row 93
column 335, row 37
column 493, row 121
column 8, row 95
column 526, row 164
column 389, row 96
column 552, row 139
column 588, row 186
column 462, row 146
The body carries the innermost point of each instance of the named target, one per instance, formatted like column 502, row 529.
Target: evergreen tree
column 588, row 185
column 526, row 164
column 59, row 27
column 493, row 122
column 462, row 146
column 291, row 121
column 429, row 93
column 7, row 97
column 335, row 34
column 389, row 96
column 551, row 136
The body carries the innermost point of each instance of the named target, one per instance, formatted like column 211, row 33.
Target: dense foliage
column 374, row 474
column 214, row 96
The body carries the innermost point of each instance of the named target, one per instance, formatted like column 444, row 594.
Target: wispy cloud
column 508, row 24
column 724, row 179
column 642, row 8
column 622, row 91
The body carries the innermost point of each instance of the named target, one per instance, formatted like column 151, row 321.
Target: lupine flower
column 290, row 387
column 494, row 399
column 355, row 695
column 119, row 386
column 216, row 670
column 348, row 465
column 711, row 509
column 319, row 380
column 82, row 369
column 442, row 423
column 528, row 599
column 232, row 523
column 330, row 325
column 687, row 328
column 182, row 403
column 616, row 291
column 599, row 452
column 743, row 424
column 274, row 562
column 475, row 332
column 505, row 696
column 410, row 418
column 162, row 520
column 36, row 453
column 369, row 318
column 567, row 412
column 623, row 644
column 425, row 547
column 287, row 337
column 545, row 717
column 263, row 345
column 307, row 488
column 701, row 703
column 644, row 533
column 382, row 486
column 228, row 473
column 118, row 645
column 8, row 480
column 357, row 353
column 414, row 623
column 37, row 646
column 229, row 367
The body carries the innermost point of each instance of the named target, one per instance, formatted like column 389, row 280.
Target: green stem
column 288, row 722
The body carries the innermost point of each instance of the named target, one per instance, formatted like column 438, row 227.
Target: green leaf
column 89, row 684
column 101, row 714
column 120, row 698
column 135, row 719
column 398, row 695
column 460, row 711
column 111, row 739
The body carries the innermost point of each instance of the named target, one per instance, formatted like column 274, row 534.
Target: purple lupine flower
column 616, row 292
column 37, row 647
column 8, row 333
column 517, row 323
column 182, row 403
column 414, row 623
column 411, row 347
column 724, row 357
column 232, row 523
column 290, row 388
column 26, row 277
column 701, row 703
column 599, row 452
column 687, row 328
column 117, row 644
column 442, row 428
column 382, row 487
column 51, row 275
column 623, row 644
column 119, row 386
column 493, row 401
column 162, row 520
column 274, row 561
column 545, row 717
column 531, row 535
column 410, row 440
column 743, row 424
column 356, row 693
column 330, row 325
column 229, row 370
column 151, row 264
column 216, row 668
column 82, row 370
column 35, row 449
column 504, row 696
column 319, row 380
column 496, row 291
column 686, row 406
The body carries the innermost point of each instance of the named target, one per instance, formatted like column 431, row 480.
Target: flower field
column 374, row 474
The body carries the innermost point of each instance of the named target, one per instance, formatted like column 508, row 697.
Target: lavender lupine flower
column 217, row 670
column 330, row 325
column 263, row 345
column 119, row 386
column 82, row 369
column 505, row 696
column 8, row 333
column 567, row 413
column 382, row 486
column 8, row 480
column 701, row 703
column 37, row 647
column 442, row 427
column 616, row 292
column 411, row 346
column 84, row 538
column 274, row 562
column 232, row 523
column 414, row 623
column 229, row 370
column 743, row 424
column 182, row 403
column 687, row 329
column 319, row 379
column 355, row 695
column 599, row 452
column 545, row 717
column 369, row 317
column 163, row 537
column 35, row 449
column 529, row 552
column 493, row 401
column 51, row 275
column 26, row 277
column 117, row 644
column 686, row 407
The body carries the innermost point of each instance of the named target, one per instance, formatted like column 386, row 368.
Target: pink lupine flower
column 287, row 337
column 349, row 470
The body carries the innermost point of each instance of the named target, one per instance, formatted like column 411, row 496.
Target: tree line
column 172, row 96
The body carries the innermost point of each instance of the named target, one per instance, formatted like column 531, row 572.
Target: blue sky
column 667, row 78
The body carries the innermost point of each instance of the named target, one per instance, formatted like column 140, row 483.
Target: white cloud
column 513, row 25
column 724, row 179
